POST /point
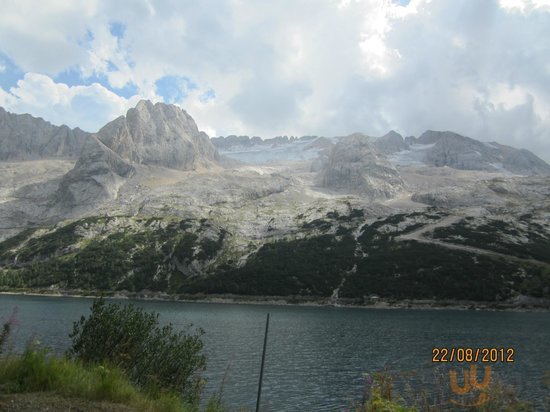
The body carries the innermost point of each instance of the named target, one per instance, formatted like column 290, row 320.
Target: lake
column 316, row 356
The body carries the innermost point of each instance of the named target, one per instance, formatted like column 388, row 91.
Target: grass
column 34, row 371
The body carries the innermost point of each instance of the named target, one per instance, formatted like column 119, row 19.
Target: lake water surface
column 316, row 356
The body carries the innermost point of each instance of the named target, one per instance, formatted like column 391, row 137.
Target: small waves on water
column 317, row 356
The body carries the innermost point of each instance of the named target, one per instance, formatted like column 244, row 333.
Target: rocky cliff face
column 24, row 137
column 97, row 176
column 160, row 135
column 456, row 151
column 391, row 142
column 354, row 165
column 157, row 135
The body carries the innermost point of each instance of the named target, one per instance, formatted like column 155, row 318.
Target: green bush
column 154, row 357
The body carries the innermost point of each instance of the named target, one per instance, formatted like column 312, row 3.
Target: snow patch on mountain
column 263, row 152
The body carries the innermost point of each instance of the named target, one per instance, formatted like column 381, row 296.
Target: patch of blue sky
column 174, row 88
column 10, row 73
column 402, row 2
column 73, row 77
column 111, row 67
column 207, row 95
column 117, row 29
column 86, row 39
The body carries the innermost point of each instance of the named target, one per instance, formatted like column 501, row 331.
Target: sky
column 287, row 67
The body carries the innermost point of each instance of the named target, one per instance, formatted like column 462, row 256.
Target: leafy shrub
column 154, row 357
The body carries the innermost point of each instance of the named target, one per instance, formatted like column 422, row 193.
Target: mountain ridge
column 341, row 220
column 445, row 149
column 158, row 135
column 25, row 137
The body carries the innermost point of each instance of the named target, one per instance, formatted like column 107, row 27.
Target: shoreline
column 523, row 304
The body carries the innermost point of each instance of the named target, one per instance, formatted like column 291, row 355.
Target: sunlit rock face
column 154, row 135
column 159, row 135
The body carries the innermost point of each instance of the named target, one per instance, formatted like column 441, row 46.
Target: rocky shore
column 519, row 303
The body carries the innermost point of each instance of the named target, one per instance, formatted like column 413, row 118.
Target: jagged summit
column 25, row 137
column 432, row 148
column 150, row 134
column 161, row 135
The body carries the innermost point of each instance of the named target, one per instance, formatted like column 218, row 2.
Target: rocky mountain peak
column 159, row 134
column 391, row 142
column 144, row 105
column 392, row 134
column 461, row 152
column 150, row 134
column 433, row 136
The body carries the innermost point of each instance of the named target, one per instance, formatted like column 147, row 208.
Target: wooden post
column 262, row 367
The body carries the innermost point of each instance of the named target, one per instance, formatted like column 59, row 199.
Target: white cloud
column 45, row 37
column 82, row 106
column 513, row 5
column 293, row 67
column 508, row 97
column 525, row 6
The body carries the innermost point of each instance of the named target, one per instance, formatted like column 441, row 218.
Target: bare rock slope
column 391, row 142
column 460, row 152
column 354, row 165
column 97, row 176
column 24, row 137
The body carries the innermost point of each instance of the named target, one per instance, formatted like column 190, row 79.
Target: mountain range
column 24, row 137
column 150, row 204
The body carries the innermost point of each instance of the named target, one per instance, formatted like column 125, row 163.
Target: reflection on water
column 316, row 356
